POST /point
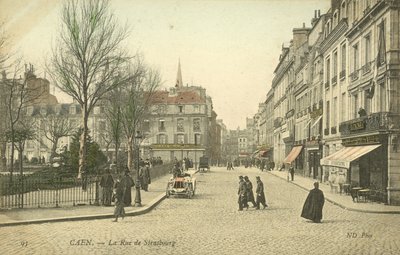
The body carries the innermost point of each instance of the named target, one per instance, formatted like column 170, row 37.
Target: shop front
column 362, row 162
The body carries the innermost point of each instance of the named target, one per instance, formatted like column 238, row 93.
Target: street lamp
column 138, row 200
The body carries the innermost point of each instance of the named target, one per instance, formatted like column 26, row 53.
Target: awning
column 255, row 154
column 343, row 157
column 264, row 154
column 293, row 154
column 317, row 121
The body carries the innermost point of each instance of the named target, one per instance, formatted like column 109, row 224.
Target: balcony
column 334, row 80
column 354, row 76
column 342, row 74
column 380, row 121
column 366, row 68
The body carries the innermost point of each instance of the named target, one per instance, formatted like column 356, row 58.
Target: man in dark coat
column 127, row 183
column 260, row 199
column 249, row 191
column 118, row 199
column 145, row 176
column 291, row 171
column 242, row 199
column 313, row 205
column 107, row 184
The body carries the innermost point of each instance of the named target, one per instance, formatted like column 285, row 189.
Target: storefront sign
column 372, row 139
column 359, row 125
column 175, row 146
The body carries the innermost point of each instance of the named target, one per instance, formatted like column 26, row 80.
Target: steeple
column 179, row 82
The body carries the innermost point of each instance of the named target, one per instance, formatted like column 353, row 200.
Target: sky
column 229, row 47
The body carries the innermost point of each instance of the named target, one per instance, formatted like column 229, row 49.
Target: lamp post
column 138, row 200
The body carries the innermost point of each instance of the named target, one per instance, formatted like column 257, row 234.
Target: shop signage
column 175, row 146
column 359, row 125
column 372, row 139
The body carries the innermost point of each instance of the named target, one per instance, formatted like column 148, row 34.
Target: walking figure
column 242, row 199
column 260, row 199
column 118, row 198
column 249, row 191
column 313, row 205
column 107, row 184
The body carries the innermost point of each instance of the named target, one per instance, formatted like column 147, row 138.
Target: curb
column 141, row 211
column 338, row 204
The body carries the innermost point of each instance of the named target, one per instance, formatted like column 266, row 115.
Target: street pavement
column 211, row 224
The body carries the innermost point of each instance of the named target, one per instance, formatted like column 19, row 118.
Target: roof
column 181, row 97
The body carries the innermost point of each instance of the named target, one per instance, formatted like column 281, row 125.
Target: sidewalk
column 344, row 201
column 150, row 199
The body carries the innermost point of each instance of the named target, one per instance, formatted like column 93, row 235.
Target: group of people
column 246, row 195
column 312, row 208
column 118, row 190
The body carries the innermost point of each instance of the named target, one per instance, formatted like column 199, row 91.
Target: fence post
column 96, row 202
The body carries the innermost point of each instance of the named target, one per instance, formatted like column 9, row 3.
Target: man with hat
column 242, row 199
column 249, row 191
column 260, row 199
column 107, row 183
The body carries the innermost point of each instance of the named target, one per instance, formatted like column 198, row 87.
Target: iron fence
column 28, row 192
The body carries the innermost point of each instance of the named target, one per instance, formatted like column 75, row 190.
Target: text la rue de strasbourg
column 122, row 242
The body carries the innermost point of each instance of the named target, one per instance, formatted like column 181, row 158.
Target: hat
column 257, row 177
column 246, row 177
column 240, row 177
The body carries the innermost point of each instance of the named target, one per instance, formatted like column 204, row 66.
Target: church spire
column 179, row 82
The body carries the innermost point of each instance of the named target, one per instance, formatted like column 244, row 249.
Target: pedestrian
column 242, row 199
column 260, row 199
column 127, row 183
column 291, row 171
column 313, row 205
column 145, row 176
column 249, row 191
column 107, row 184
column 118, row 198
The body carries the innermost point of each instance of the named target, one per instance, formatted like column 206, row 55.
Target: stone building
column 369, row 120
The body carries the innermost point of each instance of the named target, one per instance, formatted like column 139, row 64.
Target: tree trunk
column 53, row 150
column 12, row 156
column 20, row 158
column 131, row 155
column 3, row 156
column 83, row 145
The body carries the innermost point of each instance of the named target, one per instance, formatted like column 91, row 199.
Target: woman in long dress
column 119, row 201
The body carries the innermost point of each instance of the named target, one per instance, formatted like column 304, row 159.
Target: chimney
column 319, row 13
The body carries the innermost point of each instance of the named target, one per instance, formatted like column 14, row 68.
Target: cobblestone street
column 210, row 223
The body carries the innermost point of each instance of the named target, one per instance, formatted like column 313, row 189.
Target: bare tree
column 85, row 63
column 18, row 95
column 135, row 101
column 53, row 127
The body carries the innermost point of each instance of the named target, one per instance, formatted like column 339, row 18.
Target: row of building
column 333, row 108
column 181, row 124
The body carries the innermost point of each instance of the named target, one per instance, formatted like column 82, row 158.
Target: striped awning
column 293, row 154
column 343, row 158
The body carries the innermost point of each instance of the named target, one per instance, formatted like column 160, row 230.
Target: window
column 197, row 139
column 161, row 125
column 180, row 138
column 355, row 104
column 343, row 61
column 367, row 56
column 180, row 108
column 328, row 116
column 146, row 126
column 162, row 139
column 355, row 57
column 343, row 108
column 180, row 127
column 72, row 109
column 196, row 108
column 334, row 67
column 334, row 112
column 328, row 71
column 367, row 102
column 196, row 125
column 381, row 44
column 382, row 97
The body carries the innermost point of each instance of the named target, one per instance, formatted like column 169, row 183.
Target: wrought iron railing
column 371, row 122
